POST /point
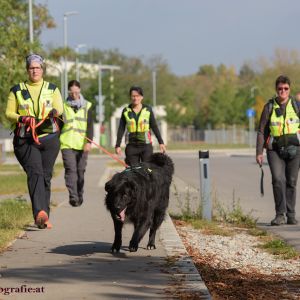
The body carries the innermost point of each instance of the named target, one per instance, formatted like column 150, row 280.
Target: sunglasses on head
column 283, row 89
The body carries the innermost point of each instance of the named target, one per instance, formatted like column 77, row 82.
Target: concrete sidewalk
column 73, row 260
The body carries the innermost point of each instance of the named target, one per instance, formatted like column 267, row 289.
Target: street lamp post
column 30, row 21
column 66, row 15
column 77, row 60
column 100, row 97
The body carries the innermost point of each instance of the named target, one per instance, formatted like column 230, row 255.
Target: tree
column 14, row 43
column 207, row 70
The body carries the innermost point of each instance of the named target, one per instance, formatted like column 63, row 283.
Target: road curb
column 183, row 268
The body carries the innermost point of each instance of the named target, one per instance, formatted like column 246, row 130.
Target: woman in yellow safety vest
column 278, row 132
column 139, row 120
column 76, row 134
column 32, row 108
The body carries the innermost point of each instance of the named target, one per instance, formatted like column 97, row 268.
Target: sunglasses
column 283, row 89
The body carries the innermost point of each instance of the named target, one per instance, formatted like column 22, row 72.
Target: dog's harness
column 140, row 170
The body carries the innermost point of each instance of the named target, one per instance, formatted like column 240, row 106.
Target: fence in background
column 230, row 135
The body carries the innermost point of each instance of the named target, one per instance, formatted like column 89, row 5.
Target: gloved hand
column 25, row 119
column 53, row 113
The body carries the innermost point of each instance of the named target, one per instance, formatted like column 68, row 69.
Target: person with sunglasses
column 278, row 132
column 75, row 140
column 32, row 108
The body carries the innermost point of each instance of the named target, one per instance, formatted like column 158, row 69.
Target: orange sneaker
column 41, row 219
column 48, row 225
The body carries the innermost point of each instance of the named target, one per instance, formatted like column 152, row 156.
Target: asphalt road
column 236, row 178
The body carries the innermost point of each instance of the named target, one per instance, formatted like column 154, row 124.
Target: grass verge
column 228, row 221
column 202, row 146
column 15, row 215
column 16, row 183
column 12, row 184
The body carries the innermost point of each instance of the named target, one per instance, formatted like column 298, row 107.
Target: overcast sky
column 186, row 33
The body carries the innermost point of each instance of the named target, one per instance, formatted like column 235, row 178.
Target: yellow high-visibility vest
column 141, row 127
column 26, row 106
column 75, row 125
column 282, row 125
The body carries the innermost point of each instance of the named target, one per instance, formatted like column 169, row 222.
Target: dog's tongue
column 122, row 215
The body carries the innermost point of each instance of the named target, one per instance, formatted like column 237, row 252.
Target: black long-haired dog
column 140, row 193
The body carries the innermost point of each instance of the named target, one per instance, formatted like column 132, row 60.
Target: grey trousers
column 74, row 163
column 284, row 181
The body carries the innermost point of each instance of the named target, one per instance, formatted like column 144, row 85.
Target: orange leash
column 107, row 152
column 33, row 126
column 101, row 148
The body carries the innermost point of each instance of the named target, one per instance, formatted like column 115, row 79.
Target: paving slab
column 73, row 260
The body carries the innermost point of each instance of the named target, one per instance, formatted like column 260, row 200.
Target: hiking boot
column 41, row 219
column 291, row 221
column 279, row 220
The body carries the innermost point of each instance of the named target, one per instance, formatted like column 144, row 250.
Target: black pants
column 284, row 181
column 38, row 161
column 136, row 153
column 74, row 163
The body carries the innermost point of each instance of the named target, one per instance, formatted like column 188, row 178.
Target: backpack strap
column 270, row 106
column 296, row 106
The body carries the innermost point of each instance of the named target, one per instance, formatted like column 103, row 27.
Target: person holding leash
column 278, row 132
column 32, row 108
column 78, row 124
column 139, row 120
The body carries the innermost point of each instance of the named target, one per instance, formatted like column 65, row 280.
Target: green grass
column 13, row 184
column 10, row 168
column 257, row 232
column 15, row 215
column 182, row 146
column 17, row 183
column 207, row 227
column 280, row 248
column 234, row 215
column 203, row 146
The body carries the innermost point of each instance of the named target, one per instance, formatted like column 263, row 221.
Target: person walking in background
column 139, row 119
column 278, row 132
column 32, row 108
column 78, row 124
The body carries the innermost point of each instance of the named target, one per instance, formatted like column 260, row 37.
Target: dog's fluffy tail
column 163, row 160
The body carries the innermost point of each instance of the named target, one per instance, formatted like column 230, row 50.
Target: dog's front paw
column 133, row 247
column 116, row 247
column 151, row 246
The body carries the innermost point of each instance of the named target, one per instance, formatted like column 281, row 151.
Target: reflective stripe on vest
column 75, row 125
column 281, row 125
column 45, row 105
